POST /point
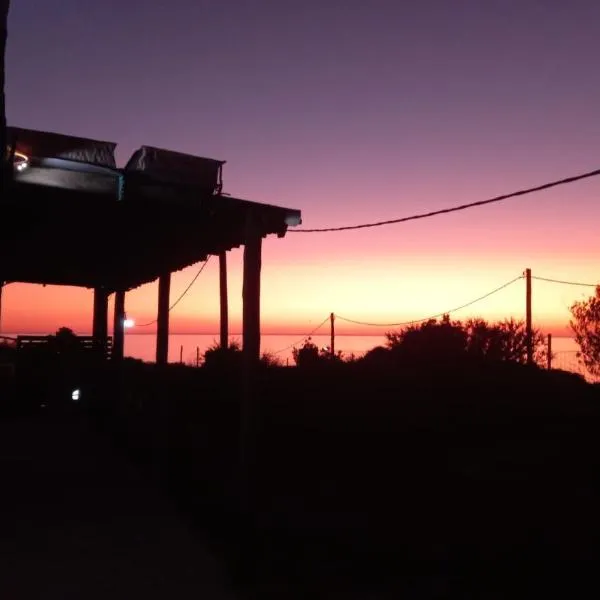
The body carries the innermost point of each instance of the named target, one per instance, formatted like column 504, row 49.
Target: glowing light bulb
column 21, row 161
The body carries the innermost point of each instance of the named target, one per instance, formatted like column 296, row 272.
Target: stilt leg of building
column 100, row 323
column 119, row 326
column 251, row 348
column 224, row 299
column 162, row 328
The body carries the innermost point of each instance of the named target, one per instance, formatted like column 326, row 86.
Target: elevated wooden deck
column 73, row 218
column 117, row 230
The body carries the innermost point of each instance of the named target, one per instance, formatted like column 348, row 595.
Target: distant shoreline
column 236, row 334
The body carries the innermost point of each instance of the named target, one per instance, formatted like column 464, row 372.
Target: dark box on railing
column 43, row 144
column 178, row 168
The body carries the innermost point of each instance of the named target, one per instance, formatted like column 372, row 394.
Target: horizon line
column 240, row 334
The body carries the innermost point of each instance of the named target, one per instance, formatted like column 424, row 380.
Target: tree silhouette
column 447, row 341
column 309, row 355
column 217, row 357
column 503, row 341
column 66, row 342
column 586, row 327
column 231, row 357
column 431, row 341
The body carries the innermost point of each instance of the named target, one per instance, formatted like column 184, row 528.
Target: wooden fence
column 86, row 342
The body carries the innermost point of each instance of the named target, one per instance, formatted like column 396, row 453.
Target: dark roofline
column 75, row 229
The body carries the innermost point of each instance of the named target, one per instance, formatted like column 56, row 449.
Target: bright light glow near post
column 127, row 323
column 21, row 161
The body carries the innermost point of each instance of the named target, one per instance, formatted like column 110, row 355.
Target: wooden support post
column 251, row 298
column 224, row 300
column 1, row 289
column 332, row 344
column 100, row 323
column 251, row 342
column 118, row 347
column 549, row 351
column 162, row 327
column 528, row 324
column 6, row 168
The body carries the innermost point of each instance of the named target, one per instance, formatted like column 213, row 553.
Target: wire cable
column 187, row 289
column 303, row 337
column 446, row 312
column 442, row 211
column 577, row 283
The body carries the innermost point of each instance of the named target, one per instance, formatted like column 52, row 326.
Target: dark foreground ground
column 461, row 483
column 78, row 521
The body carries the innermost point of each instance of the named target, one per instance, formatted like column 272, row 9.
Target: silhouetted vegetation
column 363, row 476
column 219, row 357
column 309, row 355
column 438, row 342
column 65, row 342
column 586, row 327
column 231, row 358
column 446, row 340
column 375, row 473
column 270, row 360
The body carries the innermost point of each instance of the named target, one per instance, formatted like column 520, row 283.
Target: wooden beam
column 162, row 328
column 224, row 299
column 118, row 347
column 100, row 323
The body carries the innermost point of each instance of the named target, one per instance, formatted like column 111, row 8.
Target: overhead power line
column 452, row 209
column 182, row 295
column 576, row 283
column 303, row 337
column 446, row 312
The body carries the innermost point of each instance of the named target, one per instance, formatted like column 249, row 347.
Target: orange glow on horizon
column 297, row 297
column 386, row 275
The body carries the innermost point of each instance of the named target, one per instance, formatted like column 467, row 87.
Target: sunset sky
column 351, row 111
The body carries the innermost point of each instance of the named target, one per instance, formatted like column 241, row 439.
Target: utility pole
column 1, row 288
column 332, row 344
column 528, row 330
column 549, row 350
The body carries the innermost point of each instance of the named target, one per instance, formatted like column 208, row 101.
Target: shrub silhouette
column 309, row 355
column 65, row 342
column 231, row 358
column 503, row 341
column 217, row 357
column 586, row 327
column 431, row 341
column 447, row 341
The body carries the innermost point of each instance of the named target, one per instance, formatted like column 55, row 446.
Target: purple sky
column 351, row 111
